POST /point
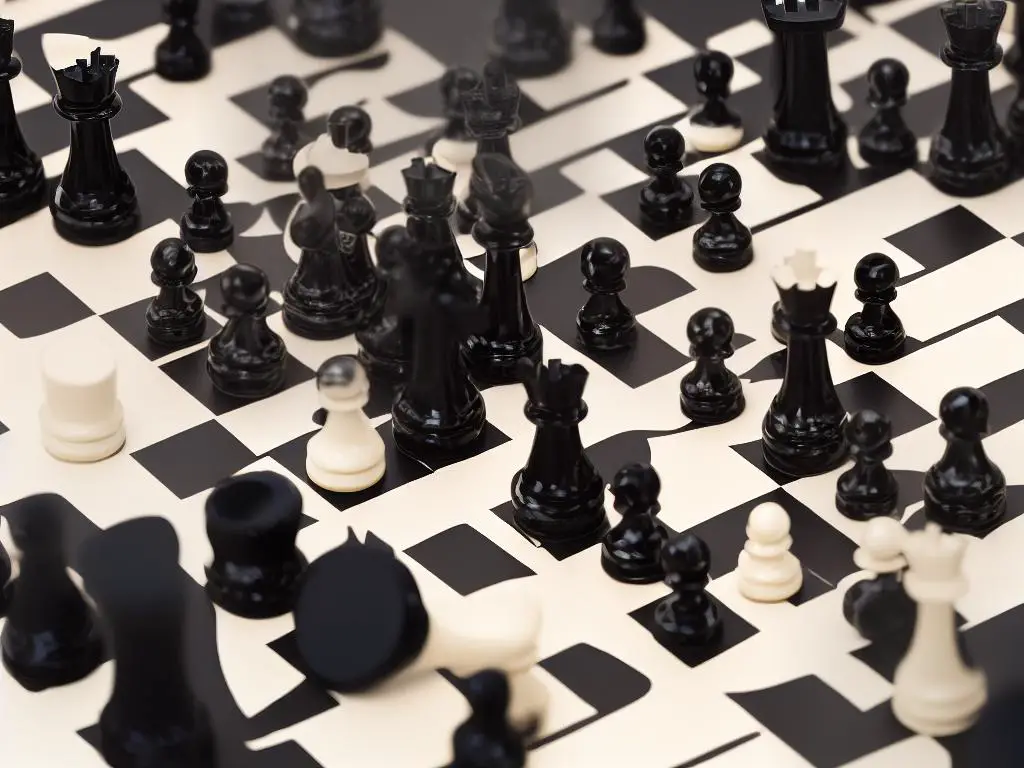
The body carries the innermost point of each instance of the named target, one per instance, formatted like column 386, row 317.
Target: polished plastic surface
column 875, row 335
column 604, row 323
column 710, row 393
column 631, row 550
column 723, row 243
column 868, row 489
column 176, row 316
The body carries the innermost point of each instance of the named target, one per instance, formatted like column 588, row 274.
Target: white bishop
column 768, row 572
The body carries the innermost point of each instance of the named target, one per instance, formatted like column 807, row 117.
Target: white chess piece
column 709, row 139
column 881, row 549
column 934, row 692
column 347, row 454
column 767, row 571
column 81, row 419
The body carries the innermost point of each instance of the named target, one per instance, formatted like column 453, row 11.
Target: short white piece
column 881, row 549
column 934, row 692
column 767, row 571
column 81, row 419
column 709, row 138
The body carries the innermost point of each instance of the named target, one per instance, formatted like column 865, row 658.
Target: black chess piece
column 558, row 496
column 487, row 739
column 182, row 56
column 605, row 323
column 779, row 324
column 970, row 155
column 336, row 28
column 879, row 607
column 95, row 202
column 875, row 335
column 964, row 491
column 246, row 359
column 385, row 349
column 714, row 126
column 710, row 393
column 5, row 580
column 252, row 520
column 288, row 96
column 176, row 317
column 206, row 227
column 885, row 140
column 868, row 489
column 51, row 636
column 722, row 243
column 234, row 19
column 22, row 180
column 689, row 616
column 620, row 30
column 631, row 550
column 666, row 201
column 531, row 38
column 455, row 84
column 349, row 128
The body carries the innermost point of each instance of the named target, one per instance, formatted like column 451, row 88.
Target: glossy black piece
column 713, row 72
column 51, row 636
column 331, row 28
column 22, row 180
column 153, row 717
column 235, row 18
column 558, row 496
column 455, row 84
column 385, row 346
column 1013, row 60
column 885, row 140
column 175, row 317
column 503, row 194
column 531, row 38
column 620, row 30
column 487, row 739
column 631, row 550
column 880, row 609
column 5, row 580
column 95, row 201
column 689, row 616
column 206, row 226
column 252, row 520
column 868, row 489
column 780, row 323
column 182, row 56
column 970, row 155
column 806, row 130
column 875, row 335
column 666, row 201
column 246, row 359
column 287, row 96
column 359, row 617
column 710, row 393
column 349, row 128
column 439, row 408
column 605, row 323
column 722, row 243
column 964, row 491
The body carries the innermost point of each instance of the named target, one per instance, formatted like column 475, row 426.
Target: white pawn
column 81, row 419
column 881, row 549
column 768, row 572
column 347, row 455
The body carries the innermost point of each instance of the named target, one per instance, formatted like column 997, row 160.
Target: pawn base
column 21, row 193
column 186, row 740
column 323, row 323
column 709, row 139
column 872, row 348
column 674, row 628
column 496, row 362
column 175, row 68
column 255, row 593
column 176, row 335
column 344, row 482
column 721, row 258
column 45, row 661
column 607, row 337
column 960, row 179
column 207, row 238
column 666, row 212
column 250, row 383
column 891, row 154
column 713, row 410
column 88, row 452
column 782, row 584
column 804, row 455
column 422, row 439
column 979, row 514
column 866, row 507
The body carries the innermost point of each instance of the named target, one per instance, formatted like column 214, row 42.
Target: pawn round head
column 710, row 331
column 636, row 487
column 245, row 288
column 455, row 83
column 349, row 128
column 207, row 170
column 887, row 83
column 713, row 71
column 287, row 93
column 768, row 523
column 360, row 214
column 173, row 263
column 488, row 694
column 884, row 537
column 340, row 379
column 604, row 261
column 664, row 145
column 685, row 558
column 964, row 413
column 719, row 184
column 876, row 273
column 394, row 248
column 868, row 429
column 311, row 183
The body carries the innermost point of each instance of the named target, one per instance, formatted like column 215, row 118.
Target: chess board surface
column 791, row 685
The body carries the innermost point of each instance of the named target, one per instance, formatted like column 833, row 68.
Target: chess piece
column 22, row 180
column 341, row 153
column 710, row 393
column 288, row 97
column 95, row 201
column 252, row 520
column 934, row 692
column 879, row 607
column 206, row 226
column 713, row 127
column 779, row 324
column 620, row 29
column 176, row 317
column 347, row 454
column 336, row 28
column 233, row 19
column 5, row 580
column 767, row 571
column 246, row 359
column 868, row 489
column 875, row 335
column 605, row 323
column 964, row 491
column 350, row 127
column 631, row 550
column 487, row 739
column 722, row 243
column 689, row 616
column 384, row 346
column 182, row 56
column 81, row 419
column 531, row 39
column 454, row 147
column 666, row 201
column 51, row 636
column 885, row 140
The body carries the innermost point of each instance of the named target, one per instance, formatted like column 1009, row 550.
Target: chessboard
column 791, row 684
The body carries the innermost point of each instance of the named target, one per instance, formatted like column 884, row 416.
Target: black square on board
column 466, row 560
column 3, row 428
column 945, row 238
column 560, row 551
column 869, row 390
column 753, row 452
column 627, row 202
column 38, row 306
column 130, row 323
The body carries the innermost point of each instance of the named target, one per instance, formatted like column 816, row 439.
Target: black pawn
column 207, row 227
column 252, row 520
column 605, row 323
column 713, row 72
column 722, row 243
column 246, row 359
column 385, row 348
column 710, row 393
column 234, row 19
column 631, row 551
column 868, row 489
column 885, row 140
column 349, row 128
column 51, row 636
column 182, row 56
column 455, row 83
column 689, row 616
column 875, row 335
column 336, row 28
column 176, row 317
column 531, row 38
column 964, row 491
column 666, row 201
column 288, row 96
column 487, row 739
column 620, row 29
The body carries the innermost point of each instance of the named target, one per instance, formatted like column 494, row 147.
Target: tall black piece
column 970, row 155
column 1014, row 61
column 385, row 349
column 336, row 28
column 176, row 317
column 868, row 489
column 22, row 181
column 875, row 335
column 95, row 201
column 182, row 56
column 620, row 30
column 206, row 226
column 287, row 97
column 710, row 393
column 233, row 19
column 487, row 739
column 531, row 38
column 806, row 129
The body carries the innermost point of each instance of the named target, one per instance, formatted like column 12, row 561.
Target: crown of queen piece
column 87, row 81
column 805, row 289
column 427, row 183
column 555, row 387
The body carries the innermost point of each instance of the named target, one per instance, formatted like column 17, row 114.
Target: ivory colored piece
column 881, row 549
column 768, row 572
column 710, row 139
